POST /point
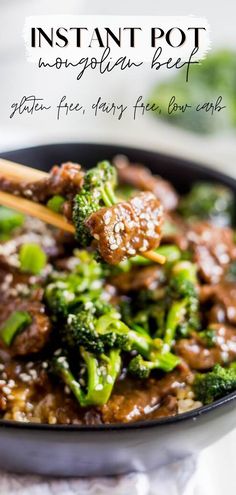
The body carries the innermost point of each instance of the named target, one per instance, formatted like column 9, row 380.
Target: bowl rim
column 191, row 415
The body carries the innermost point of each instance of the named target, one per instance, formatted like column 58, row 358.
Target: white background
column 217, row 465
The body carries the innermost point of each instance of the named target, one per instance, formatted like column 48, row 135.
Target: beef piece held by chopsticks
column 127, row 228
column 65, row 181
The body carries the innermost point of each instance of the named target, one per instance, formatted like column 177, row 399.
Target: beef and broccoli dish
column 93, row 332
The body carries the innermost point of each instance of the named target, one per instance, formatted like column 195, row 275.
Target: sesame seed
column 29, row 365
column 24, row 377
column 6, row 390
column 33, row 373
column 99, row 387
column 69, row 296
column 96, row 284
column 118, row 227
column 11, row 383
column 107, row 218
column 131, row 251
column 60, row 285
column 69, row 321
column 58, row 351
column 28, row 192
column 113, row 247
column 88, row 305
column 61, row 359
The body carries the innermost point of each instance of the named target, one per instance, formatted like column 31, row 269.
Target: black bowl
column 114, row 449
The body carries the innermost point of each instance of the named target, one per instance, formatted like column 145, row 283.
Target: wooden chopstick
column 35, row 210
column 153, row 256
column 16, row 172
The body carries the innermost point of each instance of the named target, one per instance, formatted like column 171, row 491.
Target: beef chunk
column 34, row 337
column 140, row 177
column 137, row 279
column 213, row 248
column 223, row 296
column 65, row 181
column 175, row 231
column 127, row 228
column 198, row 357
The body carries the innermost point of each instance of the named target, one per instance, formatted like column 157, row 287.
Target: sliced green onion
column 13, row 325
column 9, row 220
column 55, row 203
column 32, row 258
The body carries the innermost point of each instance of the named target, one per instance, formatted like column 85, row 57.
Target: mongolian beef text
column 91, row 331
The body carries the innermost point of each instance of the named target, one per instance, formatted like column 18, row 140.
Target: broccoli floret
column 215, row 384
column 213, row 202
column 97, row 334
column 103, row 178
column 97, row 191
column 101, row 374
column 81, row 331
column 152, row 308
column 151, row 319
column 65, row 294
column 176, row 317
column 67, row 290
column 183, row 314
column 170, row 311
column 84, row 205
column 116, row 333
column 142, row 368
column 183, row 280
column 58, row 298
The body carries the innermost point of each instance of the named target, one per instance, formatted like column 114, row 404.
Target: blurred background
column 210, row 140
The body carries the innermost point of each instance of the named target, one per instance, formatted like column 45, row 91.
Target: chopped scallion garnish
column 13, row 325
column 9, row 220
column 32, row 258
column 55, row 203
